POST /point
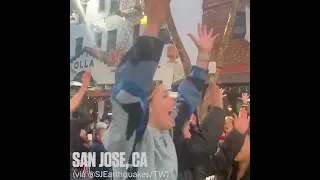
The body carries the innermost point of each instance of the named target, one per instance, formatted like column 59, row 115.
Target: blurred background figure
column 98, row 147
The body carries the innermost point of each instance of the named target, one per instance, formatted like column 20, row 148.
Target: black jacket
column 220, row 162
column 99, row 171
column 231, row 173
column 197, row 157
column 192, row 152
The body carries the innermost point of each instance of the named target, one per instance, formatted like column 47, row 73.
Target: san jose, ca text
column 108, row 159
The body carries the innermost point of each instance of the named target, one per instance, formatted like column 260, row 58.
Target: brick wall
column 216, row 13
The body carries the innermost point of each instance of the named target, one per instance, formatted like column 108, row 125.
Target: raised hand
column 86, row 77
column 156, row 11
column 244, row 98
column 241, row 122
column 193, row 119
column 206, row 39
column 186, row 132
column 215, row 95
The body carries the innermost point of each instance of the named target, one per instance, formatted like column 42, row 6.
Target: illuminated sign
column 144, row 20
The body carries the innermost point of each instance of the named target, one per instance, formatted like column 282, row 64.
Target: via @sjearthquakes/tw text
column 97, row 174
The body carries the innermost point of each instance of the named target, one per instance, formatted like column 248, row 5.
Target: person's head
column 228, row 126
column 106, row 121
column 100, row 130
column 160, row 107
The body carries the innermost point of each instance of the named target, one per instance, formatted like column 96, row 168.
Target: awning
column 75, row 83
column 247, row 36
column 78, row 78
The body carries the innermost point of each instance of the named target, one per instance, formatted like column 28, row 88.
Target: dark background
column 35, row 81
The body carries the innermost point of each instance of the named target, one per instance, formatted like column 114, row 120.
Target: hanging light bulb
column 123, row 18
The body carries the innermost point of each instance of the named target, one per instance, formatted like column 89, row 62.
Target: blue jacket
column 128, row 132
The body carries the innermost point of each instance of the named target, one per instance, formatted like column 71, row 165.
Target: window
column 239, row 28
column 79, row 42
column 136, row 32
column 102, row 5
column 98, row 39
column 112, row 39
column 164, row 35
column 113, row 7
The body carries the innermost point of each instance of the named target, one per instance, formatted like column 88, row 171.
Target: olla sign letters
column 87, row 63
column 237, row 89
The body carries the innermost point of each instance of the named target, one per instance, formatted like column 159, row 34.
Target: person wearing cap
column 98, row 147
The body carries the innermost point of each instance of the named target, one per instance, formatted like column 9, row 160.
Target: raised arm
column 133, row 80
column 203, row 142
column 245, row 98
column 232, row 145
column 190, row 89
column 77, row 98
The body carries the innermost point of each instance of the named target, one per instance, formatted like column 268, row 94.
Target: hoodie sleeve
column 188, row 98
column 133, row 79
column 232, row 145
column 202, row 143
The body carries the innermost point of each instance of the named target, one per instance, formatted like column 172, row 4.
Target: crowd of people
column 146, row 119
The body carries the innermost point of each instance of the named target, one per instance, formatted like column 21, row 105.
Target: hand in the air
column 215, row 95
column 241, row 122
column 206, row 39
column 186, row 132
column 193, row 119
column 86, row 77
column 157, row 10
column 245, row 97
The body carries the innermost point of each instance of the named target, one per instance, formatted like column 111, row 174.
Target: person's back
column 98, row 147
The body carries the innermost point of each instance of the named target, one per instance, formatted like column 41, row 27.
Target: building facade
column 235, row 73
column 108, row 30
column 102, row 29
column 236, row 61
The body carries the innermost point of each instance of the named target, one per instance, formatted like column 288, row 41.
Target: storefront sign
column 86, row 63
column 237, row 89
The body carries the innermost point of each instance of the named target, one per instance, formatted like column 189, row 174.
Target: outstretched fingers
column 199, row 30
column 204, row 29
column 210, row 32
column 235, row 117
column 215, row 37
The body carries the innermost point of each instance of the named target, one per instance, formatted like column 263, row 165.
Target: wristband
column 245, row 106
column 202, row 57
